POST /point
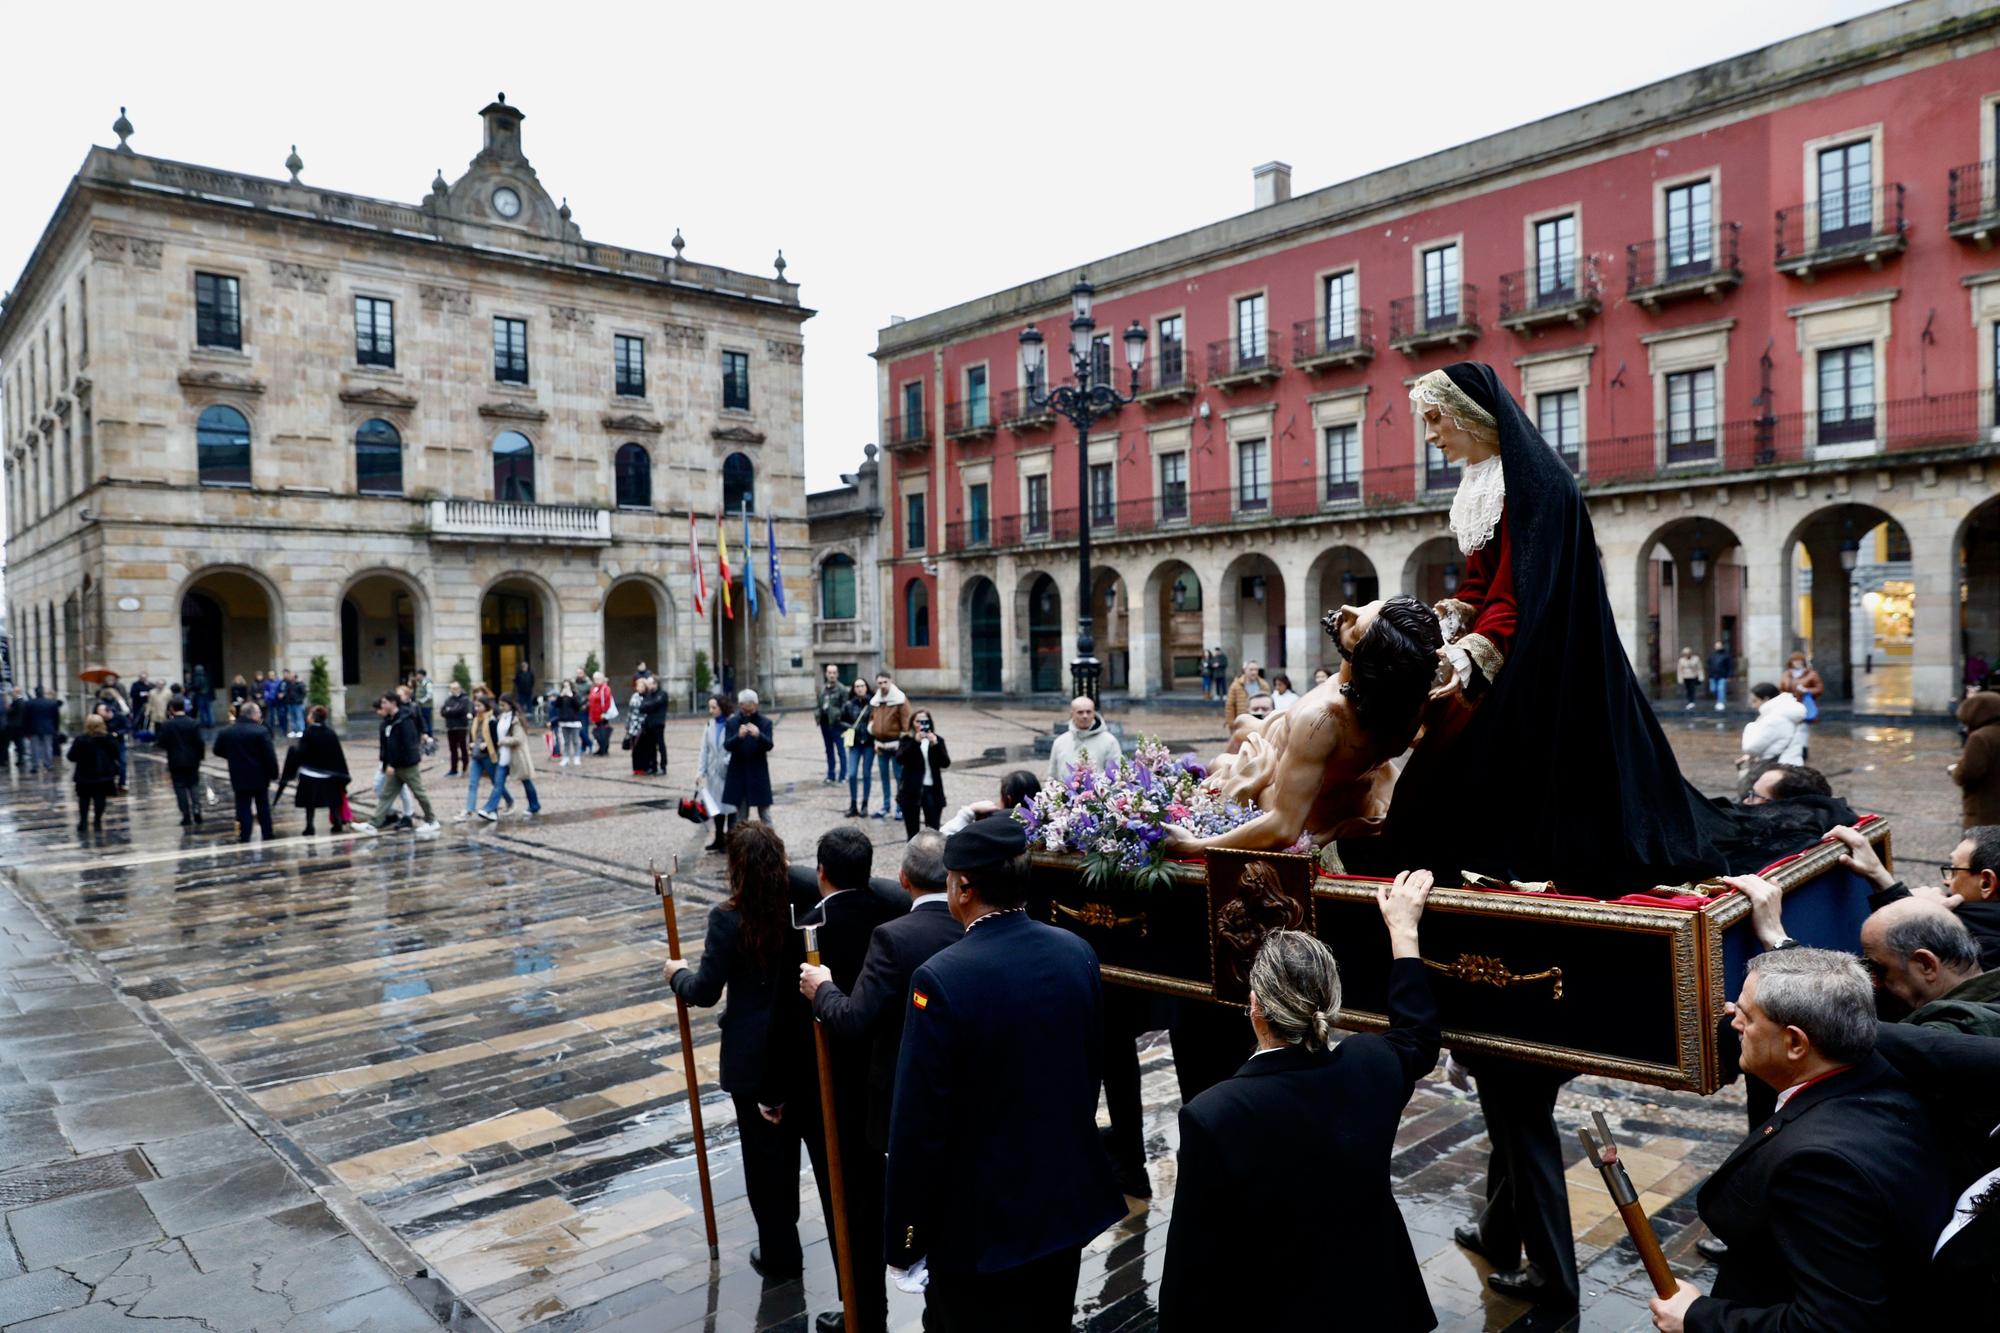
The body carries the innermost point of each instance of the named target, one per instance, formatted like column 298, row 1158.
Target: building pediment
column 376, row 395
column 632, row 424
column 735, row 434
column 506, row 411
column 219, row 381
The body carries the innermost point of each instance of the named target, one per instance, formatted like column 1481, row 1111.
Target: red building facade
column 1753, row 305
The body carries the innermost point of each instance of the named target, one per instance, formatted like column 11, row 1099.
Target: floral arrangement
column 1116, row 818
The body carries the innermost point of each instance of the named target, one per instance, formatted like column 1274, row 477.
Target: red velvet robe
column 1488, row 588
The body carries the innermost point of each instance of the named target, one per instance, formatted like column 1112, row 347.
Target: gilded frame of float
column 1682, row 1020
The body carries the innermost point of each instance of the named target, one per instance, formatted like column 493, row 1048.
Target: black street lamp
column 1081, row 402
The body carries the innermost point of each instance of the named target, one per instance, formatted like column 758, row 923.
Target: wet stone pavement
column 267, row 1086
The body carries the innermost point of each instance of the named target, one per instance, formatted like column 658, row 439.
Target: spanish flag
column 722, row 559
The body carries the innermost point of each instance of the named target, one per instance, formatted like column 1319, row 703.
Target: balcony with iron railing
column 1246, row 361
column 1683, row 264
column 1168, row 374
column 1020, row 414
column 970, row 418
column 1974, row 210
column 1725, row 449
column 1560, row 293
column 513, row 523
column 1446, row 317
column 1334, row 342
column 912, row 430
column 1859, row 226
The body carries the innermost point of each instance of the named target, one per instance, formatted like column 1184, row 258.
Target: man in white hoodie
column 1086, row 737
column 1778, row 731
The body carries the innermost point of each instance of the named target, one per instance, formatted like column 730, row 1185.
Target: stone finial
column 781, row 266
column 563, row 212
column 678, row 243
column 295, row 164
column 438, row 185
column 868, row 452
column 123, row 129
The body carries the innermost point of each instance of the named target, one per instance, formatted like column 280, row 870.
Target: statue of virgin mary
column 1541, row 757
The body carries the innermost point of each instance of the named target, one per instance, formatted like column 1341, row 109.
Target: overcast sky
column 905, row 156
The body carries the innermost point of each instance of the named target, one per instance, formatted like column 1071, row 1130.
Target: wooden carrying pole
column 843, row 1251
column 664, row 887
column 1637, row 1224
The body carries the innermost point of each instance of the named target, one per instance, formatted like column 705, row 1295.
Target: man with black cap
column 996, row 1180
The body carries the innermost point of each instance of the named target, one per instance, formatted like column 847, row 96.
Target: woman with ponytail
column 1286, row 1166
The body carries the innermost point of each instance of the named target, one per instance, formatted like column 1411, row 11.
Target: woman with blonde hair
column 94, row 756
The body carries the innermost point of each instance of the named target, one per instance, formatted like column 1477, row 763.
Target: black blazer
column 95, row 764
column 253, row 761
column 1300, row 1141
column 1830, row 1210
column 179, row 739
column 910, row 756
column 994, row 1159
column 872, row 1009
column 764, row 1024
column 848, row 925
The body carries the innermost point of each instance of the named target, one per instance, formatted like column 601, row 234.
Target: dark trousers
column 925, row 803
column 204, row 710
column 1690, row 688
column 602, row 735
column 187, row 794
column 862, row 1169
column 455, row 745
column 1127, row 1013
column 257, row 800
column 89, row 808
column 771, row 1179
column 1038, row 1297
column 1527, row 1204
column 835, row 762
column 424, row 714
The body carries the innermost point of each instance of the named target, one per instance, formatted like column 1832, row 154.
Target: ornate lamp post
column 1081, row 403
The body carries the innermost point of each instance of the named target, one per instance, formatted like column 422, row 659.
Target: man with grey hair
column 1830, row 1208
column 1927, row 958
column 1265, row 1190
column 748, row 737
column 880, row 1000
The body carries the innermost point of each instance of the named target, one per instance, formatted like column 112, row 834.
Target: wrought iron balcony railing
column 1558, row 294
column 1682, row 264
column 1974, row 210
column 970, row 418
column 1246, row 359
column 1018, row 411
column 1797, row 438
column 1331, row 341
column 1170, row 373
column 1429, row 319
column 908, row 431
column 1861, row 226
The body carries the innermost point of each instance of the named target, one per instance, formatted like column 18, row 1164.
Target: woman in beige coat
column 517, row 758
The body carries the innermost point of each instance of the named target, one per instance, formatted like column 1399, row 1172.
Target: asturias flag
column 749, row 575
column 722, row 562
column 777, row 575
column 695, row 575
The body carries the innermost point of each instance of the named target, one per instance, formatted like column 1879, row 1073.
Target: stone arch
column 1855, row 624
column 1171, row 610
column 231, row 619
column 520, row 617
column 1254, row 605
column 1110, row 603
column 385, row 633
column 1338, row 576
column 982, row 645
column 1433, row 569
column 1038, row 619
column 1976, row 576
column 1691, row 591
column 637, row 620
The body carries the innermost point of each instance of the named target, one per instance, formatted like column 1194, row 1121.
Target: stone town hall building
column 250, row 421
column 1754, row 306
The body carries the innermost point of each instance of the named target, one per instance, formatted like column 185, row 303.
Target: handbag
column 611, row 711
column 626, row 744
column 694, row 809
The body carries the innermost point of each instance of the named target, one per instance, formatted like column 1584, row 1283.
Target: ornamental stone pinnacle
column 295, row 164
column 123, row 129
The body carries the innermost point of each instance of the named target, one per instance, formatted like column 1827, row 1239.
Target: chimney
column 1274, row 183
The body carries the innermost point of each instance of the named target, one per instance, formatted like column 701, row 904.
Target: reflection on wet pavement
column 468, row 1032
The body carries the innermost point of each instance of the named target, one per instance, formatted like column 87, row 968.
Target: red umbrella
column 97, row 675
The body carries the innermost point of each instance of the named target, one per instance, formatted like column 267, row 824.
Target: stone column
column 1830, row 614
column 1935, row 652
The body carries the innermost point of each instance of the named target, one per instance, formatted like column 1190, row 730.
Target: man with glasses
column 1969, row 883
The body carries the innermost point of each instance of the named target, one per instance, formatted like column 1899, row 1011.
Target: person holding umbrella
column 322, row 771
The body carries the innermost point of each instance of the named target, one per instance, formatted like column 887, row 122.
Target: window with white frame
column 1847, row 393
column 976, row 407
column 1691, row 416
column 1343, row 462
column 1253, row 476
column 1171, row 367
column 1173, row 485
column 1341, row 311
column 1846, row 192
column 1103, row 497
column 1555, row 260
column 1038, row 503
column 1559, row 417
column 1252, row 337
column 1690, row 238
column 1441, row 283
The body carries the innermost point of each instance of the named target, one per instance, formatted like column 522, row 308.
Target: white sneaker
column 427, row 826
column 489, row 816
column 461, row 816
column 363, row 829
column 1718, row 705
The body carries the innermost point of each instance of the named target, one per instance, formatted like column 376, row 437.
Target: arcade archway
column 228, row 621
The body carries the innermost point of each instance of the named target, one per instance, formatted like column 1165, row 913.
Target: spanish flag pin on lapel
column 919, row 999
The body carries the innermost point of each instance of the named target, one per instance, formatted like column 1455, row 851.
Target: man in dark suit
column 253, row 766
column 875, row 1008
column 42, row 721
column 1266, row 1189
column 996, row 1179
column 1830, row 1210
column 848, row 914
column 179, row 739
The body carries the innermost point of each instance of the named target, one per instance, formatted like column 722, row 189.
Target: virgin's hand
column 1180, row 841
column 1402, row 905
